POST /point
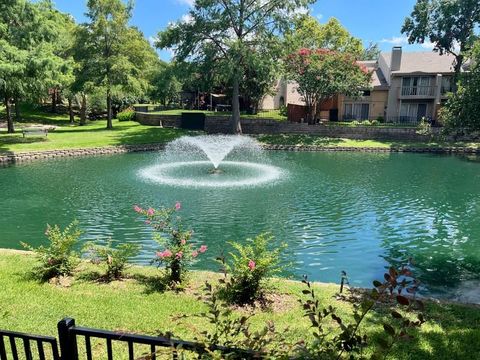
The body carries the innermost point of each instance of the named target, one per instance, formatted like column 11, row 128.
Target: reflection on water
column 336, row 211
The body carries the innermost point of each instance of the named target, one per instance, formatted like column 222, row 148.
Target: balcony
column 417, row 92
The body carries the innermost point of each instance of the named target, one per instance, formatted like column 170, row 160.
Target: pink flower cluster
column 164, row 254
column 251, row 265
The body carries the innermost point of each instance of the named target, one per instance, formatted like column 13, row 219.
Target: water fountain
column 200, row 161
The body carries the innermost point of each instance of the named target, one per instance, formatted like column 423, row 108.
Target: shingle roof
column 378, row 79
column 427, row 62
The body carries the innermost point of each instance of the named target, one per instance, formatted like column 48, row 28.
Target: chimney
column 396, row 62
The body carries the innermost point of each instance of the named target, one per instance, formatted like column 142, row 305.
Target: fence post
column 68, row 341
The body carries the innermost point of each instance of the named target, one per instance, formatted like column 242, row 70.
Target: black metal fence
column 75, row 343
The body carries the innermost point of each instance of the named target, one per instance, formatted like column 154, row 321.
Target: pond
column 357, row 212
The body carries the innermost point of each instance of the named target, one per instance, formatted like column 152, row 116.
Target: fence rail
column 27, row 349
column 70, row 335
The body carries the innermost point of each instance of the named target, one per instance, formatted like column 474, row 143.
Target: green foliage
column 166, row 86
column 126, row 115
column 309, row 33
column 247, row 272
column 112, row 55
column 321, row 74
column 114, row 258
column 451, row 26
column 59, row 258
column 424, row 127
column 177, row 250
column 226, row 36
column 460, row 113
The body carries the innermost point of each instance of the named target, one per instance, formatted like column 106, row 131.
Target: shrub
column 334, row 337
column 59, row 258
column 283, row 110
column 126, row 115
column 250, row 266
column 380, row 119
column 115, row 259
column 424, row 127
column 177, row 252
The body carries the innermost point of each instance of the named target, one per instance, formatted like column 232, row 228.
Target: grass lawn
column 270, row 114
column 68, row 136
column 311, row 140
column 94, row 134
column 452, row 331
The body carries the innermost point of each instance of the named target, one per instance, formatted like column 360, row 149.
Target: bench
column 36, row 131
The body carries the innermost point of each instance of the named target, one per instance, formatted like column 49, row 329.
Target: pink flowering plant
column 248, row 268
column 176, row 251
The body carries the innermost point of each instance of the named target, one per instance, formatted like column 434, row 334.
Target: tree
column 460, row 113
column 309, row 33
column 27, row 59
column 102, row 43
column 230, row 30
column 165, row 84
column 321, row 74
column 449, row 25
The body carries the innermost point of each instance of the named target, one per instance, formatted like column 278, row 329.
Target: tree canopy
column 451, row 26
column 321, row 74
column 228, row 32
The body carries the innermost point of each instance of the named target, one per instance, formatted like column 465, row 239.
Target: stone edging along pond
column 13, row 158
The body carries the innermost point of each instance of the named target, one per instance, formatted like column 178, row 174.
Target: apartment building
column 405, row 87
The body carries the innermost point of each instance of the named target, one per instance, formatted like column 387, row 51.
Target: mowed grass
column 131, row 305
column 312, row 140
column 267, row 114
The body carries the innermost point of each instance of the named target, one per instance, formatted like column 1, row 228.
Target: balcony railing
column 417, row 91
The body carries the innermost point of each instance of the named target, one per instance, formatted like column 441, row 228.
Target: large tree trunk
column 70, row 110
column 54, row 101
column 458, row 69
column 83, row 110
column 109, row 110
column 10, row 127
column 236, row 126
column 18, row 115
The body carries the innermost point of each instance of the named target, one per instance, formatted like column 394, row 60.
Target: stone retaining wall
column 221, row 124
column 52, row 154
column 14, row 158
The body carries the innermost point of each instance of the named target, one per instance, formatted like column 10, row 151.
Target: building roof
column 378, row 79
column 426, row 62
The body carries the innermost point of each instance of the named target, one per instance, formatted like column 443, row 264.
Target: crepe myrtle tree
column 234, row 29
column 321, row 74
column 451, row 26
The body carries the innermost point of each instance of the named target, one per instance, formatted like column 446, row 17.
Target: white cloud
column 428, row 45
column 187, row 18
column 396, row 40
column 186, row 2
column 319, row 16
column 152, row 39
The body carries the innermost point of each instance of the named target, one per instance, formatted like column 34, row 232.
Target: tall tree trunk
column 458, row 69
column 70, row 110
column 10, row 127
column 83, row 110
column 109, row 110
column 236, row 126
column 18, row 115
column 54, row 101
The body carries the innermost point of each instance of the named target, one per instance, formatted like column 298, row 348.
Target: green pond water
column 336, row 211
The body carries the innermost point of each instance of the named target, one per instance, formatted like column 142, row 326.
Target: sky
column 377, row 21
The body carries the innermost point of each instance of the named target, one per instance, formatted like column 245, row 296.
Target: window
column 412, row 112
column 356, row 111
column 416, row 85
column 446, row 84
column 366, row 93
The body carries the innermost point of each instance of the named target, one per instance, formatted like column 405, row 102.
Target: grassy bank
column 311, row 140
column 268, row 114
column 94, row 134
column 452, row 331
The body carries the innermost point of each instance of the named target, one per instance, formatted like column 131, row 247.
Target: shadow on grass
column 451, row 332
column 153, row 284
